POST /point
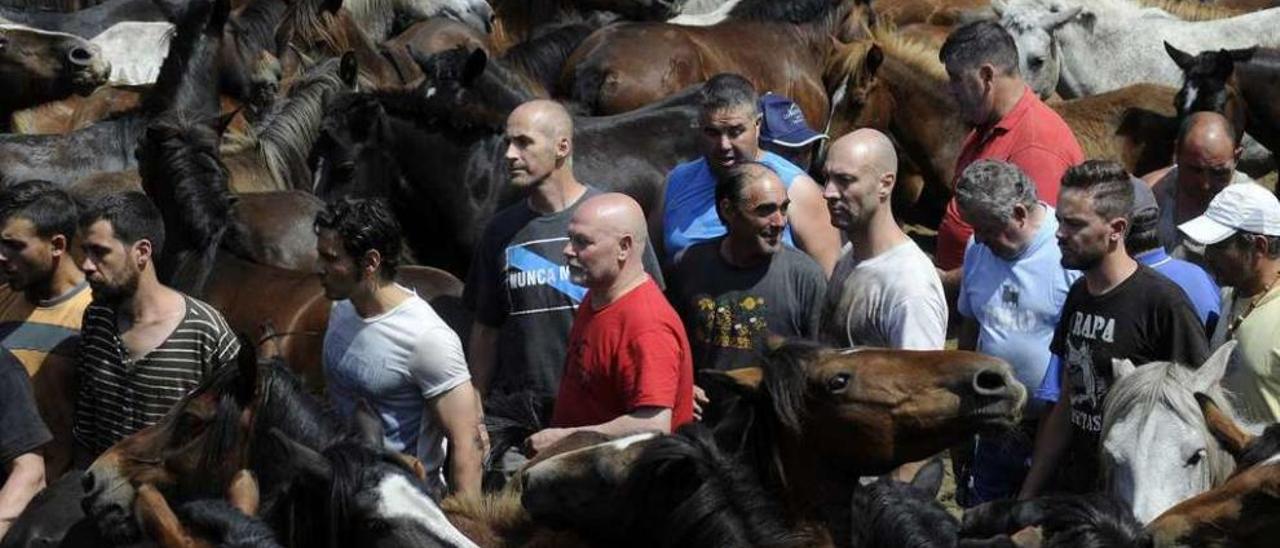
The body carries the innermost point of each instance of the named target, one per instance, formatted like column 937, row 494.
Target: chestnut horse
column 900, row 87
column 1241, row 512
column 627, row 66
column 39, row 66
column 810, row 422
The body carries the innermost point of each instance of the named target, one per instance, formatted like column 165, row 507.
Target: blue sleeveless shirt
column 689, row 209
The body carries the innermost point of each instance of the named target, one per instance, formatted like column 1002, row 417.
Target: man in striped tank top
column 143, row 345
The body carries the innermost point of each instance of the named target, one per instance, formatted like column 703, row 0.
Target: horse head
column 869, row 410
column 1032, row 25
column 193, row 452
column 40, row 66
column 1156, row 448
column 1208, row 82
column 373, row 495
column 858, row 97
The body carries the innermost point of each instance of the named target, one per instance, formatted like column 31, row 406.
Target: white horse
column 1095, row 46
column 1156, row 449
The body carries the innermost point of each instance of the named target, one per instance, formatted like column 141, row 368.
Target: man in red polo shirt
column 1010, row 124
column 629, row 368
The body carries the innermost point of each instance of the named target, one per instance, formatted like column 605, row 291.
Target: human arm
column 26, row 478
column 1053, row 436
column 811, row 223
column 642, row 419
column 22, row 434
column 458, row 411
column 482, row 355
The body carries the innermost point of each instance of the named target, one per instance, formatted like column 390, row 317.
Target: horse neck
column 376, row 18
column 923, row 121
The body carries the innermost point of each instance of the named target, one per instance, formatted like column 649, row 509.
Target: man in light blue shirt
column 1011, row 296
column 731, row 133
column 1143, row 243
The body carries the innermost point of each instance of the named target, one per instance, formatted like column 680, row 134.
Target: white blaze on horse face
column 399, row 499
column 1192, row 92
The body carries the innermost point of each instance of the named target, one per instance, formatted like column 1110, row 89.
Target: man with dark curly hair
column 386, row 346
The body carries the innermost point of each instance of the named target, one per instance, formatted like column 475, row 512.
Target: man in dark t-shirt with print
column 518, row 286
column 734, row 291
column 1118, row 310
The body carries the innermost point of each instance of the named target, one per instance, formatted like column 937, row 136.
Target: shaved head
column 1207, row 155
column 607, row 239
column 548, row 117
column 1206, row 130
column 869, row 148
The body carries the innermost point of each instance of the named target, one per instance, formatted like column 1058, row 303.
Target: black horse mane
column 254, row 27
column 771, row 11
column 187, row 76
column 543, row 55
column 510, row 419
column 1096, row 520
column 217, row 521
column 785, row 383
column 1261, row 448
column 354, row 464
column 700, row 496
column 892, row 513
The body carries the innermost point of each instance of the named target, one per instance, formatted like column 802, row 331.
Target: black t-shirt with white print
column 1146, row 318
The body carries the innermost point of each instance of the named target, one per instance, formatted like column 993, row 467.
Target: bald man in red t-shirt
column 629, row 368
column 1010, row 124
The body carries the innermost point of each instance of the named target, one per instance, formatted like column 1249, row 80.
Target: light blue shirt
column 689, row 209
column 1017, row 303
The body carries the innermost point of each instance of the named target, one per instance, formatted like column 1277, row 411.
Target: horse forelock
column 1164, row 384
column 786, row 384
column 921, row 57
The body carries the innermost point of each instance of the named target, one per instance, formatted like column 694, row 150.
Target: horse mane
column 254, row 27
column 541, row 57
column 1164, row 383
column 285, row 136
column 1193, row 11
column 188, row 69
column 892, row 513
column 1095, row 520
column 1261, row 448
column 700, row 496
column 771, row 11
column 216, row 520
column 501, row 511
column 510, row 419
column 307, row 22
column 351, row 461
column 921, row 57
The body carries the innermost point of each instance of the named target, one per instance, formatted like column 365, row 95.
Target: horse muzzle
column 108, row 501
column 89, row 68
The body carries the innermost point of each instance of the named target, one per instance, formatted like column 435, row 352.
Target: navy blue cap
column 784, row 123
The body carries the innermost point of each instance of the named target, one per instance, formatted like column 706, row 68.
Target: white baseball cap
column 1247, row 207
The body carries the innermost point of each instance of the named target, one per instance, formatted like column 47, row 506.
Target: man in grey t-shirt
column 734, row 291
column 884, row 291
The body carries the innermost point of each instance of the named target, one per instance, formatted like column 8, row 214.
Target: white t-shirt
column 892, row 300
column 396, row 362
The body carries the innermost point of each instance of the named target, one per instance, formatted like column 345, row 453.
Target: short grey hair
column 991, row 189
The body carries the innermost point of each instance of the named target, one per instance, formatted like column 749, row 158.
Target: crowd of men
column 1048, row 260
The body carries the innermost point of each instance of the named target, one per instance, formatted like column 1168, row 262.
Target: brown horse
column 39, row 66
column 1241, row 512
column 900, row 87
column 627, row 66
column 319, row 29
column 812, row 420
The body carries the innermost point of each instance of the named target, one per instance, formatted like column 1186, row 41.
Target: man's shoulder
column 786, row 170
column 688, row 169
column 507, row 222
column 799, row 262
column 206, row 315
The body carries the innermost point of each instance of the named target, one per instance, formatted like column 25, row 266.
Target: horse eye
column 1196, row 458
column 838, row 383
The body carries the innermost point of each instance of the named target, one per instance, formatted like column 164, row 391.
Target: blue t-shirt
column 689, row 209
column 1194, row 281
column 1017, row 303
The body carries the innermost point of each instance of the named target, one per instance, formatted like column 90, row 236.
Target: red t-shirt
column 1031, row 136
column 632, row 353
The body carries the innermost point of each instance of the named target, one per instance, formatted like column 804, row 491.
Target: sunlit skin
column 537, row 144
column 1007, row 238
column 1206, row 163
column 729, row 136
column 861, row 169
column 42, row 268
column 756, row 221
column 111, row 267
column 1084, row 237
column 983, row 94
column 339, row 274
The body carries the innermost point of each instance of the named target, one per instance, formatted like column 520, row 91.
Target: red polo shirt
column 1031, row 136
column 632, row 353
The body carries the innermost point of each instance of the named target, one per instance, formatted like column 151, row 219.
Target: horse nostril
column 989, row 382
column 80, row 56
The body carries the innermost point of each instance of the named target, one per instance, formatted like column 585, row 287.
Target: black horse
column 438, row 153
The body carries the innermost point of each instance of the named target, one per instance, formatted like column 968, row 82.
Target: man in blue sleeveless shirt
column 731, row 133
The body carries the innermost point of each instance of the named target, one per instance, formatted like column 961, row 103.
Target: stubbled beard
column 115, row 294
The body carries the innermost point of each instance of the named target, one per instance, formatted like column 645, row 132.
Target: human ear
column 59, row 244
column 987, row 73
column 143, row 247
column 371, row 261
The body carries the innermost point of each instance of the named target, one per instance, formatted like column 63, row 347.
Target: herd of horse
column 240, row 118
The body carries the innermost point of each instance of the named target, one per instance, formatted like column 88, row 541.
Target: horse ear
column 1210, row 373
column 745, row 381
column 349, row 69
column 367, row 425
column 875, row 57
column 247, row 380
column 1233, row 438
column 476, row 63
column 1061, row 18
column 929, row 477
column 1241, row 55
column 243, row 493
column 158, row 519
column 1181, row 58
column 1122, row 368
column 303, row 458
